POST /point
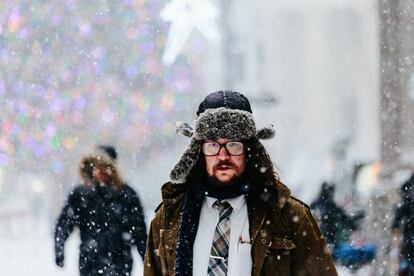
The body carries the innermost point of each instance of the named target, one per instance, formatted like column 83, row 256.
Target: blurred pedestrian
column 108, row 214
column 336, row 225
column 403, row 226
column 225, row 212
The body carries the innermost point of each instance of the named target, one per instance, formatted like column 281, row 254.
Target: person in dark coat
column 334, row 222
column 404, row 222
column 109, row 216
column 225, row 211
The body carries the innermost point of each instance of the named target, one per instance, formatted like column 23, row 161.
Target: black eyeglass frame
column 224, row 145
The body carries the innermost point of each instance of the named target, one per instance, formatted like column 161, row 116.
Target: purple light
column 30, row 142
column 4, row 53
column 23, row 108
column 56, row 19
column 98, row 69
column 15, row 129
column 4, row 159
column 38, row 151
column 2, row 88
column 144, row 29
column 85, row 29
column 131, row 72
column 18, row 88
column 50, row 130
column 57, row 167
column 147, row 47
column 15, row 14
column 39, row 90
column 80, row 103
column 56, row 106
column 24, row 34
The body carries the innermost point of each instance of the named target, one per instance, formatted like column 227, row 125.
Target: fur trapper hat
column 98, row 158
column 222, row 114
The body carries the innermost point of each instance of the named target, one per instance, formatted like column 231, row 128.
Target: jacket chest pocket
column 278, row 257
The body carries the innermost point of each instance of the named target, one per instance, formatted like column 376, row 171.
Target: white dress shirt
column 240, row 261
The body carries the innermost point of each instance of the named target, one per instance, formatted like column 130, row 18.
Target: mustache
column 224, row 164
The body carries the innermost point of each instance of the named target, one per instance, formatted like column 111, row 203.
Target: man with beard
column 109, row 216
column 225, row 212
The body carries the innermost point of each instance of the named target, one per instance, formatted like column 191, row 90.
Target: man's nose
column 223, row 154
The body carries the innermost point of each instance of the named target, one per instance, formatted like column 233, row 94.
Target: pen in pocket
column 242, row 241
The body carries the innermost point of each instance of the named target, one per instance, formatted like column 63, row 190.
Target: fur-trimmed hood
column 96, row 159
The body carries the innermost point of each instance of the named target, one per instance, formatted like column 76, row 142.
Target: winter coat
column 110, row 222
column 284, row 236
column 335, row 224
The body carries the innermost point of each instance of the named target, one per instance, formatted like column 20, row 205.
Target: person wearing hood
column 109, row 216
column 225, row 211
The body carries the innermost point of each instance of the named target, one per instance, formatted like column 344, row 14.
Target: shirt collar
column 235, row 202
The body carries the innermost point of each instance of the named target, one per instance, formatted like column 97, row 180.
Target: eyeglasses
column 213, row 148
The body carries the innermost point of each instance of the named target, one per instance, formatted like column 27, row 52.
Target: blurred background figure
column 336, row 225
column 108, row 214
column 403, row 226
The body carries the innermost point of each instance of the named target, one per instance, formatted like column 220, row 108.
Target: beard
column 219, row 184
column 216, row 188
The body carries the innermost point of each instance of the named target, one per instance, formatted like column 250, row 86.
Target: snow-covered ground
column 27, row 249
column 33, row 256
column 29, row 252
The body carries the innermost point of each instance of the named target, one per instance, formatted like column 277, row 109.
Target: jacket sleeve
column 67, row 220
column 152, row 262
column 138, row 227
column 311, row 256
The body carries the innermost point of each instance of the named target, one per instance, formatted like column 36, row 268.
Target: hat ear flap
column 186, row 163
column 184, row 129
column 266, row 132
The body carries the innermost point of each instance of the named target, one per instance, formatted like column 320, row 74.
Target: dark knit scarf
column 191, row 216
column 188, row 231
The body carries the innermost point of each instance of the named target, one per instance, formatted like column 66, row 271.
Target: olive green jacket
column 284, row 236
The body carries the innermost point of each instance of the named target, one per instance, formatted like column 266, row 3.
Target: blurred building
column 397, row 85
column 311, row 68
column 396, row 116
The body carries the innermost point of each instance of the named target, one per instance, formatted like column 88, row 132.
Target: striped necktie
column 219, row 255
